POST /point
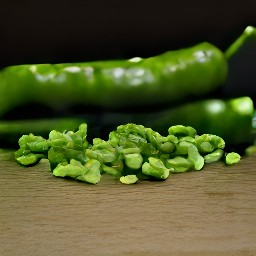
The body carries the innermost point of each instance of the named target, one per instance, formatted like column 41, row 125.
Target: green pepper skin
column 166, row 79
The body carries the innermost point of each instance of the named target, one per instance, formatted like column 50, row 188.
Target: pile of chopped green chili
column 132, row 153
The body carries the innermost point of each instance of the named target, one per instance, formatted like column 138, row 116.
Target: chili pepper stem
column 248, row 33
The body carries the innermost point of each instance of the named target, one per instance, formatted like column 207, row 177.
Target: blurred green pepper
column 231, row 119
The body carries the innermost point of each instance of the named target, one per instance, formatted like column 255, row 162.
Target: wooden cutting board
column 210, row 212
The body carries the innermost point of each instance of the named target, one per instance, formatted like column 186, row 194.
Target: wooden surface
column 211, row 212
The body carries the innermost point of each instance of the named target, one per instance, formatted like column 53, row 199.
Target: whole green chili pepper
column 166, row 79
column 231, row 119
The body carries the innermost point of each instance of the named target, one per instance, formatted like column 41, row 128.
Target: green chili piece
column 133, row 161
column 155, row 168
column 93, row 175
column 167, row 147
column 58, row 155
column 182, row 148
column 207, row 143
column 188, row 139
column 182, row 131
column 130, row 150
column 90, row 172
column 29, row 159
column 214, row 156
column 32, row 149
column 34, row 143
column 73, row 170
column 232, row 158
column 102, row 151
column 195, row 158
column 129, row 179
column 179, row 164
column 110, row 170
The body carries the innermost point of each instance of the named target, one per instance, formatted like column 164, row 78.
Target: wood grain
column 211, row 212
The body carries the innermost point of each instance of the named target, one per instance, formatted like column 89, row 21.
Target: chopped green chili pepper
column 232, row 158
column 133, row 161
column 30, row 159
column 70, row 154
column 214, row 156
column 129, row 179
column 195, row 158
column 155, row 168
column 179, row 164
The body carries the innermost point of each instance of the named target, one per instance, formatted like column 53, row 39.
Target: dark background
column 74, row 31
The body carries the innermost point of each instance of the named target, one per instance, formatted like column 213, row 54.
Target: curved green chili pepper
column 165, row 79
